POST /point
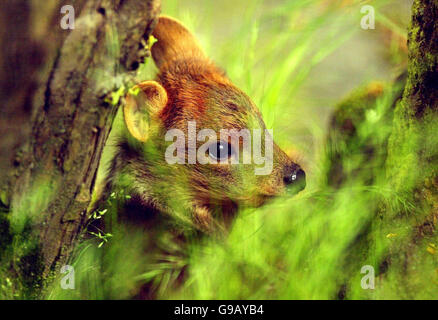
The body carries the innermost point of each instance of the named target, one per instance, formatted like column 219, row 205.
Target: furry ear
column 144, row 101
column 175, row 42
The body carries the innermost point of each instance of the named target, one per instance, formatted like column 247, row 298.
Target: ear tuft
column 174, row 42
column 144, row 101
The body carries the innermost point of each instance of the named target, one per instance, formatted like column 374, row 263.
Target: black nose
column 295, row 180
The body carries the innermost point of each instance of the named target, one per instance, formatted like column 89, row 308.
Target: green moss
column 29, row 206
column 30, row 267
column 4, row 198
column 5, row 232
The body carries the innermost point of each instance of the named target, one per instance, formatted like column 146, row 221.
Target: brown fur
column 190, row 87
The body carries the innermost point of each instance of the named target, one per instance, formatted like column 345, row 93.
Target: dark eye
column 220, row 151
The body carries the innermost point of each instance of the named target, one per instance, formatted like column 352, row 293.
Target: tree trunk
column 413, row 143
column 412, row 164
column 58, row 93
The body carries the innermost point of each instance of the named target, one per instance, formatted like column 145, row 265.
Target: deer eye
column 220, row 151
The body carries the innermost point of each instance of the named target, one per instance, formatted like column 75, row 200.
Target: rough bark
column 60, row 102
column 413, row 146
column 413, row 143
column 412, row 165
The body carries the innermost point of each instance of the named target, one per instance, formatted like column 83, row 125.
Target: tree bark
column 59, row 101
column 413, row 143
column 412, row 164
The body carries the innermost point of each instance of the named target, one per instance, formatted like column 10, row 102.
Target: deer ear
column 175, row 42
column 144, row 101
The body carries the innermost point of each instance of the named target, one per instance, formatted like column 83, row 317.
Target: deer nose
column 295, row 180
